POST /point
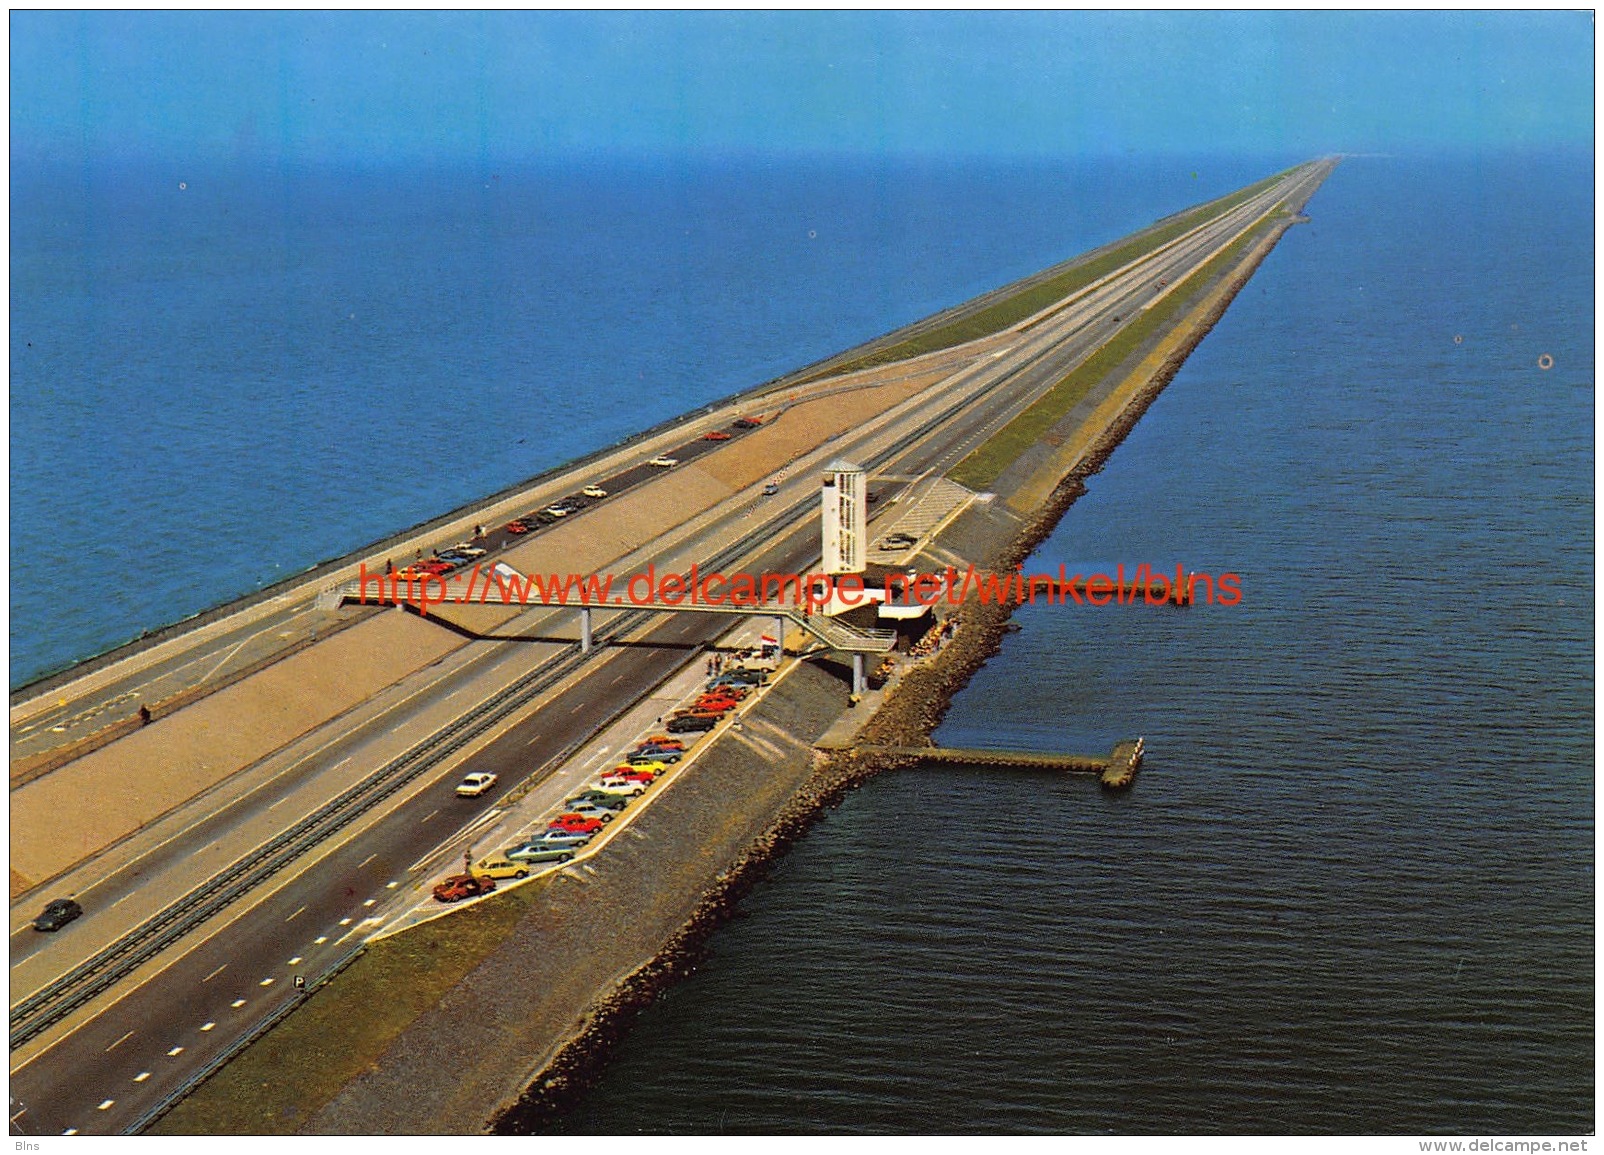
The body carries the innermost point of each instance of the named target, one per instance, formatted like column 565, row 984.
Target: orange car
column 461, row 886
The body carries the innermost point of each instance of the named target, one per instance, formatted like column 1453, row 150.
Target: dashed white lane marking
column 370, row 902
column 533, row 740
column 142, row 1076
column 267, row 982
column 616, row 680
column 237, row 1004
column 427, row 816
column 106, row 1106
column 119, row 1042
column 296, row 915
column 366, row 860
column 279, row 803
column 342, row 761
column 321, row 939
column 296, row 961
column 577, row 708
column 345, row 922
column 175, row 1052
column 391, row 885
column 215, row 973
column 209, row 1027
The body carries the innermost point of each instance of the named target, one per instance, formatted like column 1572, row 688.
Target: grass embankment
column 279, row 1082
column 983, row 466
column 1009, row 310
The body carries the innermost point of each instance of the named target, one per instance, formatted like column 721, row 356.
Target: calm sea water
column 221, row 376
column 1352, row 891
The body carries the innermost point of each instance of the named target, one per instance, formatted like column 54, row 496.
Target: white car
column 475, row 784
column 628, row 787
column 594, row 491
column 663, row 462
column 466, row 549
column 557, row 510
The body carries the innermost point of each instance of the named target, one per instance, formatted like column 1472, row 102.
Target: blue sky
column 399, row 86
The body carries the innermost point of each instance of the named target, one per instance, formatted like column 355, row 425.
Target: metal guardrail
column 104, row 969
column 59, row 998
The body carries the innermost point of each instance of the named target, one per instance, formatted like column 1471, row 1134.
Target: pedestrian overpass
column 463, row 590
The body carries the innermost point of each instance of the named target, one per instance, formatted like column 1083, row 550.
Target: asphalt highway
column 108, row 1065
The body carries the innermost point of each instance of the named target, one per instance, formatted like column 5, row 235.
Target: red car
column 663, row 741
column 633, row 773
column 699, row 712
column 575, row 824
column 461, row 886
column 517, row 527
column 435, row 566
column 712, row 702
column 715, row 436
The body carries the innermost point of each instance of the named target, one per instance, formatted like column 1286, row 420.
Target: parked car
column 629, row 787
column 435, row 566
column 597, row 810
column 454, row 559
column 575, row 824
column 665, row 740
column 517, row 527
column 716, row 435
column 697, row 712
column 897, row 541
column 628, row 774
column 57, row 914
column 500, row 866
column 612, row 802
column 540, row 852
column 688, row 725
column 871, row 497
column 747, row 422
column 461, row 886
column 664, row 462
column 475, row 784
column 568, row 838
column 557, row 510
column 654, row 759
column 652, row 766
column 468, row 550
column 771, row 489
column 594, row 491
column 738, row 677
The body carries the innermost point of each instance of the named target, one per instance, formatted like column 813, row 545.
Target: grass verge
column 1000, row 314
column 279, row 1082
column 985, row 464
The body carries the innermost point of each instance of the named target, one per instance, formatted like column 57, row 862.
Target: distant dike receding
column 906, row 719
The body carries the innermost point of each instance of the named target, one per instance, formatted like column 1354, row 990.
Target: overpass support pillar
column 779, row 632
column 585, row 643
column 859, row 684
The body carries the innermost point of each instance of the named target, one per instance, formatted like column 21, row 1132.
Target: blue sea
column 222, row 375
column 1351, row 891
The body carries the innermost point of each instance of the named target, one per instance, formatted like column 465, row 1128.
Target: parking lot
column 522, row 811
